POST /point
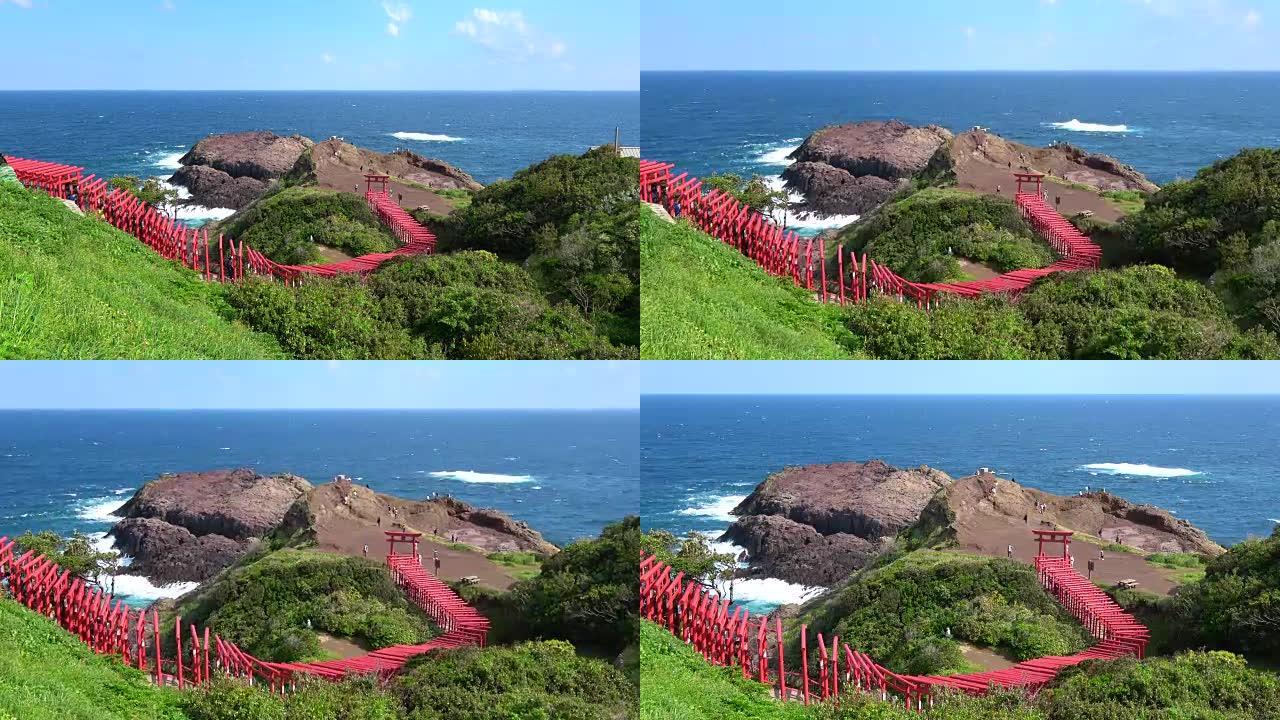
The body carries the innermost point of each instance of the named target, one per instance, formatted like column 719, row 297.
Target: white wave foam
column 471, row 476
column 121, row 491
column 136, row 586
column 778, row 156
column 717, row 508
column 804, row 223
column 1139, row 469
column 188, row 213
column 1074, row 125
column 425, row 137
column 100, row 509
column 169, row 162
column 768, row 593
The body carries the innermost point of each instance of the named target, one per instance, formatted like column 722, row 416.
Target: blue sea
column 1211, row 460
column 489, row 134
column 1167, row 125
column 567, row 474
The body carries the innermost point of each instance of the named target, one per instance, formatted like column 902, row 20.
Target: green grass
column 457, row 197
column 1117, row 547
column 1126, row 201
column 701, row 299
column 1185, row 567
column 76, row 288
column 520, row 565
column 48, row 674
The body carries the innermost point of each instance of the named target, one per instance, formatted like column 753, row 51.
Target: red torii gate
column 1061, row 537
column 1031, row 180
column 370, row 179
column 401, row 536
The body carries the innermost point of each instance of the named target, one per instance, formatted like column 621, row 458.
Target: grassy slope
column 47, row 674
column 76, row 288
column 701, row 299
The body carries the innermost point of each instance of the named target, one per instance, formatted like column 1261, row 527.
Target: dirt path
column 340, row 648
column 985, row 658
column 985, row 178
column 331, row 254
column 978, row 271
column 987, row 524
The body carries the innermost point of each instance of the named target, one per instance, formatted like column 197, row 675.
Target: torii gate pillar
column 1052, row 537
column 1030, row 180
column 400, row 536
column 371, row 179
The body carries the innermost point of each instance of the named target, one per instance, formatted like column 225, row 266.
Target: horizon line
column 315, row 90
column 1273, row 394
column 1184, row 71
column 332, row 409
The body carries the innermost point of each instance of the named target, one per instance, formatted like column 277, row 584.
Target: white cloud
column 327, row 58
column 1252, row 19
column 509, row 36
column 399, row 14
column 970, row 32
column 168, row 6
column 19, row 3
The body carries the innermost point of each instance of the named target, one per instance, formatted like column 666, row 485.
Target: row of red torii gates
column 223, row 259
column 784, row 253
column 728, row 636
column 110, row 627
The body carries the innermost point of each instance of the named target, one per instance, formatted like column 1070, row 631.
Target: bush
column 1237, row 604
column 921, row 236
column 533, row 681
column 286, row 224
column 263, row 604
column 899, row 613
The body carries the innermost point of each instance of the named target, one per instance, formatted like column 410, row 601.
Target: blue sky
column 298, row 384
column 318, row 45
column 960, row 378
column 956, row 35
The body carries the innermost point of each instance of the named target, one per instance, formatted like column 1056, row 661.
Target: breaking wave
column 718, row 508
column 100, row 509
column 425, row 137
column 1138, row 469
column 1074, row 125
column 169, row 161
column 765, row 594
column 471, row 476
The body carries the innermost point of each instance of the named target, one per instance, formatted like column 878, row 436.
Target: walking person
column 366, row 550
column 1010, row 551
column 435, row 558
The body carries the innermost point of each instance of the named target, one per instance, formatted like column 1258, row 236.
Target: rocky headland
column 817, row 524
column 234, row 169
column 187, row 527
column 856, row 167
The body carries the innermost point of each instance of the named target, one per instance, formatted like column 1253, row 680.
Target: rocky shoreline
column 852, row 169
column 188, row 527
column 233, row 170
column 817, row 524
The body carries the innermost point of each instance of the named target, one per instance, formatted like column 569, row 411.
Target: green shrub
column 921, row 236
column 286, row 224
column 533, row 681
column 899, row 613
column 263, row 604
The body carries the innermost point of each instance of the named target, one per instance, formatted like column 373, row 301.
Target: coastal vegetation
column 542, row 266
column 274, row 605
column 678, row 683
column 290, row 224
column 923, row 235
column 913, row 613
column 704, row 300
column 1237, row 604
column 75, row 288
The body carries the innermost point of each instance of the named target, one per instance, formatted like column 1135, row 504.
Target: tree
column 150, row 191
column 75, row 554
column 754, row 193
column 693, row 556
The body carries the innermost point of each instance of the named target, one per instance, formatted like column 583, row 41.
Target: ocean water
column 1167, row 125
column 490, row 135
column 1212, row 461
column 568, row 474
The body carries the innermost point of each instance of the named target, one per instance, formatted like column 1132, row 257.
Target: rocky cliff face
column 233, row 170
column 976, row 153
column 188, row 526
column 851, row 169
column 818, row 523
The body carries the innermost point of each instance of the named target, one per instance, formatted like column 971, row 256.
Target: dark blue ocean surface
column 490, row 135
column 1166, row 125
column 567, row 474
column 1212, row 461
